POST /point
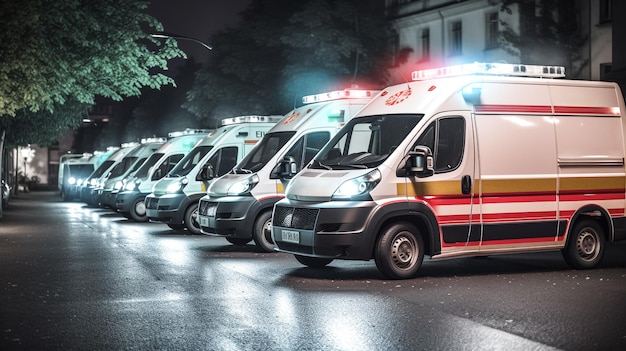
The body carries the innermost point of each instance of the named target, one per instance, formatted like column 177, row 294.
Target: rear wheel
column 399, row 251
column 313, row 262
column 191, row 219
column 585, row 245
column 138, row 210
column 262, row 234
column 238, row 241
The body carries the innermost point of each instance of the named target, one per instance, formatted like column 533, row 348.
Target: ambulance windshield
column 366, row 142
column 263, row 152
column 190, row 161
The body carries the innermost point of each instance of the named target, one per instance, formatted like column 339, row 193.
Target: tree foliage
column 57, row 55
column 286, row 49
column 549, row 33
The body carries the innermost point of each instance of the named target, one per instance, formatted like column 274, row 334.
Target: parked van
column 130, row 200
column 128, row 165
column 72, row 169
column 174, row 199
column 238, row 206
column 108, row 160
column 468, row 160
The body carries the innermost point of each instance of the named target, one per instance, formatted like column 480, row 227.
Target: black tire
column 176, row 227
column 585, row 245
column 238, row 241
column 138, row 210
column 399, row 251
column 191, row 219
column 313, row 262
column 262, row 233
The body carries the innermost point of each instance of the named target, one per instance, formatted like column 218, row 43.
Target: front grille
column 207, row 208
column 152, row 203
column 297, row 218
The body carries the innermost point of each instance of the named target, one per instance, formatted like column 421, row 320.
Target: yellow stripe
column 502, row 186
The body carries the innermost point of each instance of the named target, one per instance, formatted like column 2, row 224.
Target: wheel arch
column 597, row 213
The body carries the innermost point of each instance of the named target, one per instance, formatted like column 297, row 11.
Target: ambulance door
column 451, row 191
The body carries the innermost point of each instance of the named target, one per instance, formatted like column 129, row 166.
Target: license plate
column 290, row 236
column 204, row 221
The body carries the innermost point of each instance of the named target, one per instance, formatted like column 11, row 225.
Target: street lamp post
column 26, row 153
column 182, row 37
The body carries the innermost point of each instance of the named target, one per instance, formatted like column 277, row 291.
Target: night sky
column 197, row 19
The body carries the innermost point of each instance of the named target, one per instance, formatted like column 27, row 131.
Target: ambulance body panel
column 238, row 205
column 464, row 166
column 129, row 201
column 174, row 199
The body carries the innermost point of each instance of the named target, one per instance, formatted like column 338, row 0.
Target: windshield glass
column 145, row 167
column 80, row 170
column 366, row 142
column 184, row 166
column 123, row 166
column 263, row 152
column 103, row 168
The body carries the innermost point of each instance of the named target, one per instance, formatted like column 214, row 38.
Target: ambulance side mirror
column 207, row 172
column 285, row 169
column 418, row 162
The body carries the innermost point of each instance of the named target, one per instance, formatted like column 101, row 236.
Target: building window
column 605, row 11
column 425, row 44
column 492, row 30
column 456, row 38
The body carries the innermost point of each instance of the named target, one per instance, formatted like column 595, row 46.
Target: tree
column 548, row 33
column 287, row 49
column 57, row 55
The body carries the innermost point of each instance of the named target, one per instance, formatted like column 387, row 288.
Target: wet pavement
column 80, row 278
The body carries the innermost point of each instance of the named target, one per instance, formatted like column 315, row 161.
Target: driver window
column 446, row 139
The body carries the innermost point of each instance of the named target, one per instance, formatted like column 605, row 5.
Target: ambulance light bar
column 189, row 131
column 500, row 69
column 250, row 119
column 153, row 140
column 130, row 144
column 339, row 94
column 112, row 148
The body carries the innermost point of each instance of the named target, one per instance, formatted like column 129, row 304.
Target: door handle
column 466, row 184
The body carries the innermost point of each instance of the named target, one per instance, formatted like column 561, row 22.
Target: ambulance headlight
column 132, row 186
column 358, row 188
column 176, row 186
column 118, row 185
column 243, row 186
column 93, row 182
column 71, row 181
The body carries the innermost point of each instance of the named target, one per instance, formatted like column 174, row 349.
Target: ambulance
column 129, row 201
column 238, row 205
column 82, row 188
column 469, row 160
column 128, row 165
column 174, row 199
column 90, row 192
column 72, row 169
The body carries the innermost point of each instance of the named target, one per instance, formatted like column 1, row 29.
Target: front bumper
column 167, row 208
column 231, row 216
column 124, row 200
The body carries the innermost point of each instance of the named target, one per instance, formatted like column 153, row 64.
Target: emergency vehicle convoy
column 238, row 206
column 468, row 160
column 174, row 199
column 129, row 201
column 130, row 163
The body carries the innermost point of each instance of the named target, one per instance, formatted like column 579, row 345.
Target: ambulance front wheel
column 138, row 210
column 313, row 262
column 191, row 219
column 399, row 251
column 262, row 233
column 585, row 245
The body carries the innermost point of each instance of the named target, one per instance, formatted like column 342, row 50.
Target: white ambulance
column 73, row 168
column 174, row 199
column 238, row 206
column 468, row 160
column 130, row 200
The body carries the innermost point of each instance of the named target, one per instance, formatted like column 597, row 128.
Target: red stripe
column 587, row 110
column 513, row 108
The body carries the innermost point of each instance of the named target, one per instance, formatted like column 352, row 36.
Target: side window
column 222, row 161
column 167, row 166
column 446, row 139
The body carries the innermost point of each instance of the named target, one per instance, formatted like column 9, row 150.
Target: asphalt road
column 79, row 278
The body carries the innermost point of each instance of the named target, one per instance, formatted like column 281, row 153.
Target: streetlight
column 26, row 153
column 166, row 35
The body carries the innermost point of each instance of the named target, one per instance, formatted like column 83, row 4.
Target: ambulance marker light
column 250, row 119
column 503, row 69
column 339, row 94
